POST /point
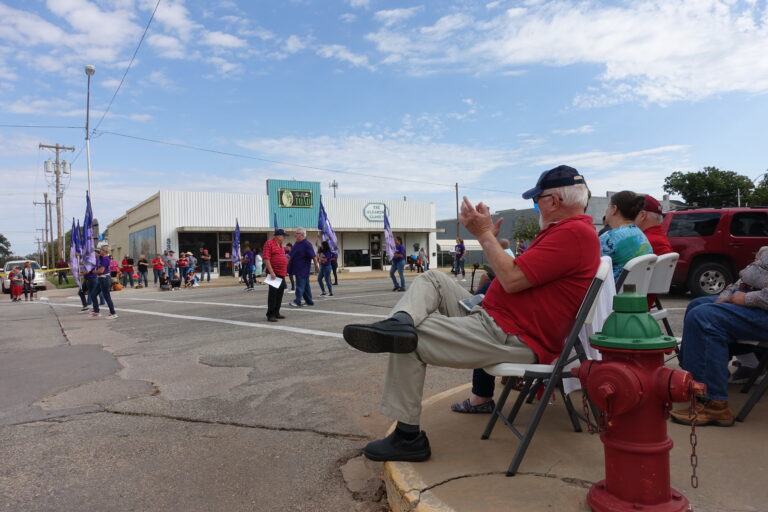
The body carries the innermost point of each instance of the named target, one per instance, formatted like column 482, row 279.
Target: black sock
column 403, row 317
column 407, row 431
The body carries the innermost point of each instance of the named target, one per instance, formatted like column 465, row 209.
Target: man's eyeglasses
column 538, row 198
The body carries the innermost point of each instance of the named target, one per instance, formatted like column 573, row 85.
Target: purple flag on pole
column 89, row 250
column 389, row 237
column 74, row 257
column 326, row 230
column 236, row 245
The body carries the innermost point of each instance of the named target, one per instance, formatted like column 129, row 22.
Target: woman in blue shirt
column 625, row 240
column 325, row 255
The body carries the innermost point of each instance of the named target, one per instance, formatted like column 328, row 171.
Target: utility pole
column 334, row 185
column 59, row 192
column 39, row 250
column 46, row 204
column 457, row 211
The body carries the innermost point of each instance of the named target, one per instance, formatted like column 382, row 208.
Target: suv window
column 749, row 224
column 694, row 224
column 20, row 264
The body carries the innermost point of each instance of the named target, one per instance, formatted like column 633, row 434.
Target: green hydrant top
column 630, row 326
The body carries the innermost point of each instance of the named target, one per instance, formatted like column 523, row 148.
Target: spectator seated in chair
column 191, row 280
column 165, row 283
column 176, row 282
column 524, row 317
column 711, row 326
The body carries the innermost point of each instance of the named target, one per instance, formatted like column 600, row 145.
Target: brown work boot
column 710, row 412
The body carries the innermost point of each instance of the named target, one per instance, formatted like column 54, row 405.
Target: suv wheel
column 709, row 279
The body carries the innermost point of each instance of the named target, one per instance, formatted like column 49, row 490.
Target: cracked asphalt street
column 191, row 401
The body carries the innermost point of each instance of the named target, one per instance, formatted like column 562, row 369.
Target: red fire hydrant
column 635, row 392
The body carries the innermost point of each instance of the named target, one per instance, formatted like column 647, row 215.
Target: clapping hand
column 478, row 219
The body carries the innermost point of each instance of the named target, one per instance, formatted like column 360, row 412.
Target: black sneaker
column 396, row 289
column 396, row 447
column 389, row 335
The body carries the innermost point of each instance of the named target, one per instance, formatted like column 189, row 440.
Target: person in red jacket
column 649, row 221
column 158, row 266
column 127, row 268
column 276, row 265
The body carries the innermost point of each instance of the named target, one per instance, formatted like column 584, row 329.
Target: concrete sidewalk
column 468, row 474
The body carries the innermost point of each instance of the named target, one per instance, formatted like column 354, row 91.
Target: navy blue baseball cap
column 560, row 176
column 279, row 232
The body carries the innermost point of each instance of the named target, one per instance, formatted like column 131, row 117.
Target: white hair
column 300, row 231
column 573, row 195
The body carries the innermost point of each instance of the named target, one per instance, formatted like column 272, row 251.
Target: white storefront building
column 193, row 221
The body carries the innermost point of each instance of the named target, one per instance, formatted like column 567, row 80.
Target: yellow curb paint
column 404, row 482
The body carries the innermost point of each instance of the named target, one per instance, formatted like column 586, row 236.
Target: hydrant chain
column 694, row 442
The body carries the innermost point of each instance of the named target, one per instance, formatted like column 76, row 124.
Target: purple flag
column 236, row 245
column 89, row 251
column 326, row 230
column 74, row 257
column 389, row 237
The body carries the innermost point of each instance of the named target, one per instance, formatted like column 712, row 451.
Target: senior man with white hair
column 524, row 317
column 302, row 256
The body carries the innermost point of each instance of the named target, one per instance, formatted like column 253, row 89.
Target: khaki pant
column 448, row 336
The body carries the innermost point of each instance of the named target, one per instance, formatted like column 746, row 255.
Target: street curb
column 403, row 481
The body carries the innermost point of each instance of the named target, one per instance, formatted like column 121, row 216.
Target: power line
column 129, row 66
column 303, row 166
column 39, row 126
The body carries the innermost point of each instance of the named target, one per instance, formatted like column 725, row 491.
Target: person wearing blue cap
column 524, row 316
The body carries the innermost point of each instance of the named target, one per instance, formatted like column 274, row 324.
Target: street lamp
column 89, row 70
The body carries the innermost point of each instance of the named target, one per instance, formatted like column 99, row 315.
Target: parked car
column 40, row 282
column 714, row 244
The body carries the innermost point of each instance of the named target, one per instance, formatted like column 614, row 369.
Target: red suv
column 714, row 244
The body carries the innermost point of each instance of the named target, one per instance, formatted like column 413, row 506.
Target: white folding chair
column 661, row 281
column 637, row 271
column 552, row 373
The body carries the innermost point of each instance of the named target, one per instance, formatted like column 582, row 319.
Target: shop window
column 356, row 258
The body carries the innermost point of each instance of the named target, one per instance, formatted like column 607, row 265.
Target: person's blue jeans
column 303, row 291
column 459, row 267
column 248, row 275
column 709, row 330
column 158, row 275
column 85, row 293
column 399, row 267
column 126, row 277
column 143, row 275
column 205, row 269
column 183, row 271
column 171, row 273
column 102, row 286
column 325, row 274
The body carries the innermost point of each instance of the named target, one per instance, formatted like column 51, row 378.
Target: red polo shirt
column 560, row 264
column 274, row 253
column 659, row 241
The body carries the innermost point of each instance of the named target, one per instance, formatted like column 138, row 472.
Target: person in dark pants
column 334, row 267
column 103, row 284
column 398, row 265
column 205, row 265
column 277, row 267
column 62, row 274
column 288, row 249
column 302, row 257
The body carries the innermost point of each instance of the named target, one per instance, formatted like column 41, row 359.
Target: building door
column 225, row 254
column 375, row 249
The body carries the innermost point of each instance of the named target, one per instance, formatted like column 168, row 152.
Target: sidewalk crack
column 333, row 435
column 586, row 484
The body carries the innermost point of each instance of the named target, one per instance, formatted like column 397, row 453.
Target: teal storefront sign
column 296, row 204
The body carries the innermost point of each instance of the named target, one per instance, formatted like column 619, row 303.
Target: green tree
column 759, row 197
column 709, row 187
column 5, row 249
column 526, row 228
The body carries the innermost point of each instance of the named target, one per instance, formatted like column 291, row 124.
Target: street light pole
column 89, row 70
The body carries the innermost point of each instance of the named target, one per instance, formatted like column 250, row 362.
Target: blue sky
column 486, row 94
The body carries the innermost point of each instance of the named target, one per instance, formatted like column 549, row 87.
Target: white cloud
column 392, row 16
column 348, row 17
column 168, row 46
column 224, row 66
column 585, row 128
column 650, row 50
column 173, row 16
column 360, row 3
column 342, row 53
column 32, row 106
column 294, row 44
column 160, row 79
column 214, row 38
column 111, row 83
column 605, row 160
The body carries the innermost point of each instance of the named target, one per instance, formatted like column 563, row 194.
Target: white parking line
column 248, row 306
column 286, row 328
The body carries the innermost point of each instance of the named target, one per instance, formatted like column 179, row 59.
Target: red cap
column 205, row 251
column 652, row 205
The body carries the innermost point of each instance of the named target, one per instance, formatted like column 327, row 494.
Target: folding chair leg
column 569, row 407
column 665, row 321
column 755, row 374
column 499, row 406
column 755, row 397
column 530, row 430
column 538, row 383
column 527, row 391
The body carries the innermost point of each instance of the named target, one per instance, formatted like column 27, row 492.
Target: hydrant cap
column 631, row 327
